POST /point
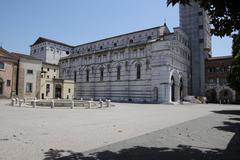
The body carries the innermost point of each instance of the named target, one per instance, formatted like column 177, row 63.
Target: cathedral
column 148, row 66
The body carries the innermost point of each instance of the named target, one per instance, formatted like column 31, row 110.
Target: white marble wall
column 50, row 52
column 162, row 57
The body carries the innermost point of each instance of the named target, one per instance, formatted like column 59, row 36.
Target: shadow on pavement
column 140, row 153
column 233, row 147
column 182, row 152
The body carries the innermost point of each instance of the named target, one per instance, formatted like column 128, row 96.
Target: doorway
column 172, row 89
column 1, row 86
column 155, row 94
column 58, row 91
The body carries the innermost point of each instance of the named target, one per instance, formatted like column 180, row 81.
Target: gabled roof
column 25, row 56
column 5, row 54
column 42, row 39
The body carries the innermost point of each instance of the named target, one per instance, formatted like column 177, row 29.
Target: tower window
column 130, row 41
column 2, row 65
column 29, row 71
column 8, row 83
column 28, row 87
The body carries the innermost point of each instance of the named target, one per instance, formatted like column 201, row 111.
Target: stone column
column 20, row 103
column 89, row 104
column 108, row 103
column 72, row 104
column 34, row 103
column 13, row 102
column 101, row 103
column 53, row 104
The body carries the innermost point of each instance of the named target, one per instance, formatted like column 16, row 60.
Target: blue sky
column 78, row 21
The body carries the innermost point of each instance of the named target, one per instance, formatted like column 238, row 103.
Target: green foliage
column 234, row 76
column 236, row 44
column 224, row 14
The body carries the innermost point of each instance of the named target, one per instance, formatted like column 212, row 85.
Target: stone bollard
column 89, row 104
column 34, row 103
column 91, row 99
column 108, row 103
column 52, row 105
column 72, row 104
column 20, row 102
column 81, row 99
column 101, row 103
column 13, row 102
column 16, row 102
column 24, row 100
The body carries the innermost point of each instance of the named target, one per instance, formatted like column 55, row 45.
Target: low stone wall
column 61, row 103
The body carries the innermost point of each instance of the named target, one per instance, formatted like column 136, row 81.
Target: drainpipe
column 17, row 79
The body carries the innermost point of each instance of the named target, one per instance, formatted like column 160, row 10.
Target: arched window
column 87, row 75
column 1, row 65
column 118, row 72
column 130, row 41
column 138, row 71
column 101, row 74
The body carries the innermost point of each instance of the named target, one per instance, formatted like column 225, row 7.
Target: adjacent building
column 28, row 76
column 8, row 72
column 217, row 89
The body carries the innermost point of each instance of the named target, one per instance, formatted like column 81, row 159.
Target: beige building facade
column 28, row 76
column 8, row 72
column 53, row 87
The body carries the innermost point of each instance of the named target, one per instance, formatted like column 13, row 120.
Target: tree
column 224, row 14
column 234, row 76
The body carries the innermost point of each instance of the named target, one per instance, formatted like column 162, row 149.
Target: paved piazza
column 127, row 131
